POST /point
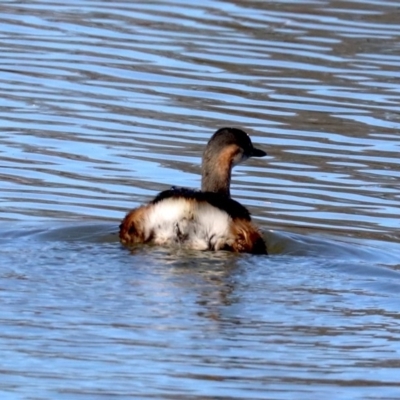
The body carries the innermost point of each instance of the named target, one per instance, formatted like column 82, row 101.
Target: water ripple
column 103, row 104
column 99, row 79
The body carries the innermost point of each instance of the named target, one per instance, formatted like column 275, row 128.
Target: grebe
column 203, row 220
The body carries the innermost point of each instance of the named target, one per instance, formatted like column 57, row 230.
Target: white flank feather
column 197, row 225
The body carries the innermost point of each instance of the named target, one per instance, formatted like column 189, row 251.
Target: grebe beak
column 258, row 153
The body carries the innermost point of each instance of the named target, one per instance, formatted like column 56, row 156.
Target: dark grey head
column 234, row 138
column 226, row 148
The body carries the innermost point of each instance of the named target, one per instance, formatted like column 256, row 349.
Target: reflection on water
column 83, row 317
column 104, row 104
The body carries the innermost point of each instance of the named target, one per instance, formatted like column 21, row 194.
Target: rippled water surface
column 103, row 104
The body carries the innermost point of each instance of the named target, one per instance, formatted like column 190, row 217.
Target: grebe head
column 226, row 148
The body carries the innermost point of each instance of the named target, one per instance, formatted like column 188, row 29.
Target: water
column 103, row 104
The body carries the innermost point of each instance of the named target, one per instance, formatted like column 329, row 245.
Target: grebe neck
column 216, row 174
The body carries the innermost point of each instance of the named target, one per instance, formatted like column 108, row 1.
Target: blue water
column 104, row 104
